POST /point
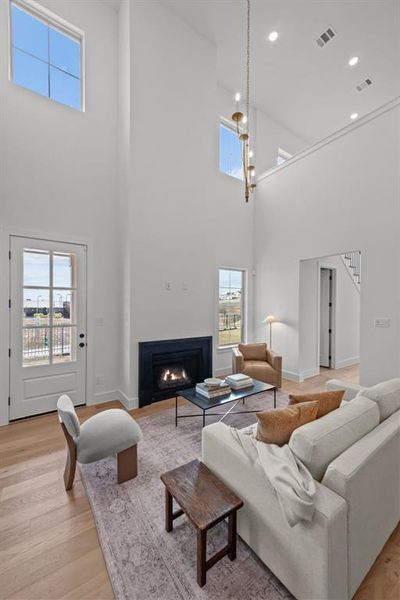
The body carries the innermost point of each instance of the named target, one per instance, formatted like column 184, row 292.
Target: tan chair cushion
column 254, row 351
column 260, row 370
column 327, row 401
column 276, row 426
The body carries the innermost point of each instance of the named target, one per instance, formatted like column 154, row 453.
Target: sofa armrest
column 311, row 558
column 351, row 389
column 237, row 361
column 276, row 363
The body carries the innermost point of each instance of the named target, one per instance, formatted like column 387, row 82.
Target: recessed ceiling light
column 273, row 36
column 354, row 116
column 353, row 61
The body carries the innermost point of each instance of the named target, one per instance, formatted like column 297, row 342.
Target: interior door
column 325, row 330
column 47, row 325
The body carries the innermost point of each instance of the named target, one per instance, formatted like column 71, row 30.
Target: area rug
column 143, row 560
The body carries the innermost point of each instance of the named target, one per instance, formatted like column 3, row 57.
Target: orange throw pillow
column 327, row 401
column 277, row 425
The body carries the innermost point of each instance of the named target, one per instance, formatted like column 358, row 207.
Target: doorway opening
column 329, row 313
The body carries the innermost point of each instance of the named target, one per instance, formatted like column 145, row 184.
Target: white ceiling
column 309, row 89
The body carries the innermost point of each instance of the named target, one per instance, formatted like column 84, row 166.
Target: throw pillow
column 327, row 401
column 277, row 425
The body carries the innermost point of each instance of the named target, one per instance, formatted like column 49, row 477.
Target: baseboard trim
column 309, row 373
column 292, row 376
column 101, row 397
column 347, row 362
column 223, row 371
column 129, row 403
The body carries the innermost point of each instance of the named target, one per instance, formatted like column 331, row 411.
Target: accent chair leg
column 70, row 465
column 127, row 464
column 70, row 468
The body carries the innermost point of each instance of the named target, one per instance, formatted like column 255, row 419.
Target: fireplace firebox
column 167, row 366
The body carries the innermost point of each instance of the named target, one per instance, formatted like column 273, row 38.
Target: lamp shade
column 269, row 319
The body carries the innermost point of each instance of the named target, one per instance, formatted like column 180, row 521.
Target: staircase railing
column 352, row 260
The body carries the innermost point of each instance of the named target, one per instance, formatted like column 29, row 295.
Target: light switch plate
column 382, row 323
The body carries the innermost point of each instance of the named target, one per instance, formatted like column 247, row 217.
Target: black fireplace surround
column 167, row 366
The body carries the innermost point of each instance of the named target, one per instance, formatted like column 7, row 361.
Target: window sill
column 226, row 348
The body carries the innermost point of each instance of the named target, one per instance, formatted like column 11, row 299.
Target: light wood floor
column 49, row 547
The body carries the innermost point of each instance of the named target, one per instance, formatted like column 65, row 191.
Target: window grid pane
column 230, row 152
column 230, row 300
column 45, row 60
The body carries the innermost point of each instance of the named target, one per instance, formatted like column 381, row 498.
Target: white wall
column 59, row 172
column 346, row 320
column 185, row 218
column 345, row 196
column 271, row 136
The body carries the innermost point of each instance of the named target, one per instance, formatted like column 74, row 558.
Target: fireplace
column 167, row 366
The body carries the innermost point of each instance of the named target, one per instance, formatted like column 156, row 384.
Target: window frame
column 243, row 336
column 229, row 125
column 284, row 155
column 50, row 19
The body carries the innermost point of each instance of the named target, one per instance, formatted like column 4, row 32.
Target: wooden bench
column 206, row 501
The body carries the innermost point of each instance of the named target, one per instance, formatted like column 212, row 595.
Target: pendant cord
column 248, row 67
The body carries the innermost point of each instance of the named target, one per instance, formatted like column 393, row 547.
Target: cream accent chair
column 258, row 362
column 108, row 433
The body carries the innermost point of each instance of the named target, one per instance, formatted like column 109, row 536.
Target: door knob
column 81, row 345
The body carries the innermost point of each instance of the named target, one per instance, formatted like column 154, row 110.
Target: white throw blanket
column 293, row 483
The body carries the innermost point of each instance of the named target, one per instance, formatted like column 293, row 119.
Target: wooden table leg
column 168, row 511
column 232, row 535
column 201, row 557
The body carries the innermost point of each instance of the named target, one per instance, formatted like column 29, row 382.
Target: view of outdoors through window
column 230, row 304
column 230, row 152
column 49, row 308
column 44, row 59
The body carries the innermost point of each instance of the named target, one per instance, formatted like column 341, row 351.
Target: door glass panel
column 36, row 268
column 63, row 270
column 64, row 311
column 36, row 307
column 35, row 346
column 64, row 344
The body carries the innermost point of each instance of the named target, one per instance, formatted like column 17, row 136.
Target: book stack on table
column 239, row 381
column 213, row 388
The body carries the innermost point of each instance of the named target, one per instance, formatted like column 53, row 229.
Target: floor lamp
column 269, row 320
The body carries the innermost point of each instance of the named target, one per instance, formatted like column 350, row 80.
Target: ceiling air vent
column 326, row 37
column 364, row 85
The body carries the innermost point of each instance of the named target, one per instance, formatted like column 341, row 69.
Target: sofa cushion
column 253, row 351
column 386, row 395
column 318, row 443
column 276, row 426
column 327, row 401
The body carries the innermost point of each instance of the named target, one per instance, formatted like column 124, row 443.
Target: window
column 230, row 152
column 45, row 58
column 283, row 156
column 230, row 307
column 49, row 307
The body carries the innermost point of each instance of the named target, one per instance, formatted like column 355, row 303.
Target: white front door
column 47, row 325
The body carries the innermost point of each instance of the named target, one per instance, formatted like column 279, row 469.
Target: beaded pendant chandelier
column 242, row 120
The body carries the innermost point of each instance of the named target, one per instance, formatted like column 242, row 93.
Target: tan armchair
column 258, row 362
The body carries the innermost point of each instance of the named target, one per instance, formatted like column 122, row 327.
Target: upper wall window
column 46, row 58
column 283, row 156
column 230, row 152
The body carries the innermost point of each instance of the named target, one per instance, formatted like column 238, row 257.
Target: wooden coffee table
column 206, row 501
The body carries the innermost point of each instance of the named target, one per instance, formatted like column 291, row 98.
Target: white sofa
column 354, row 455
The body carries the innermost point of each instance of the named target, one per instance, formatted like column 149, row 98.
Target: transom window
column 230, row 152
column 46, row 58
column 231, row 307
column 283, row 156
